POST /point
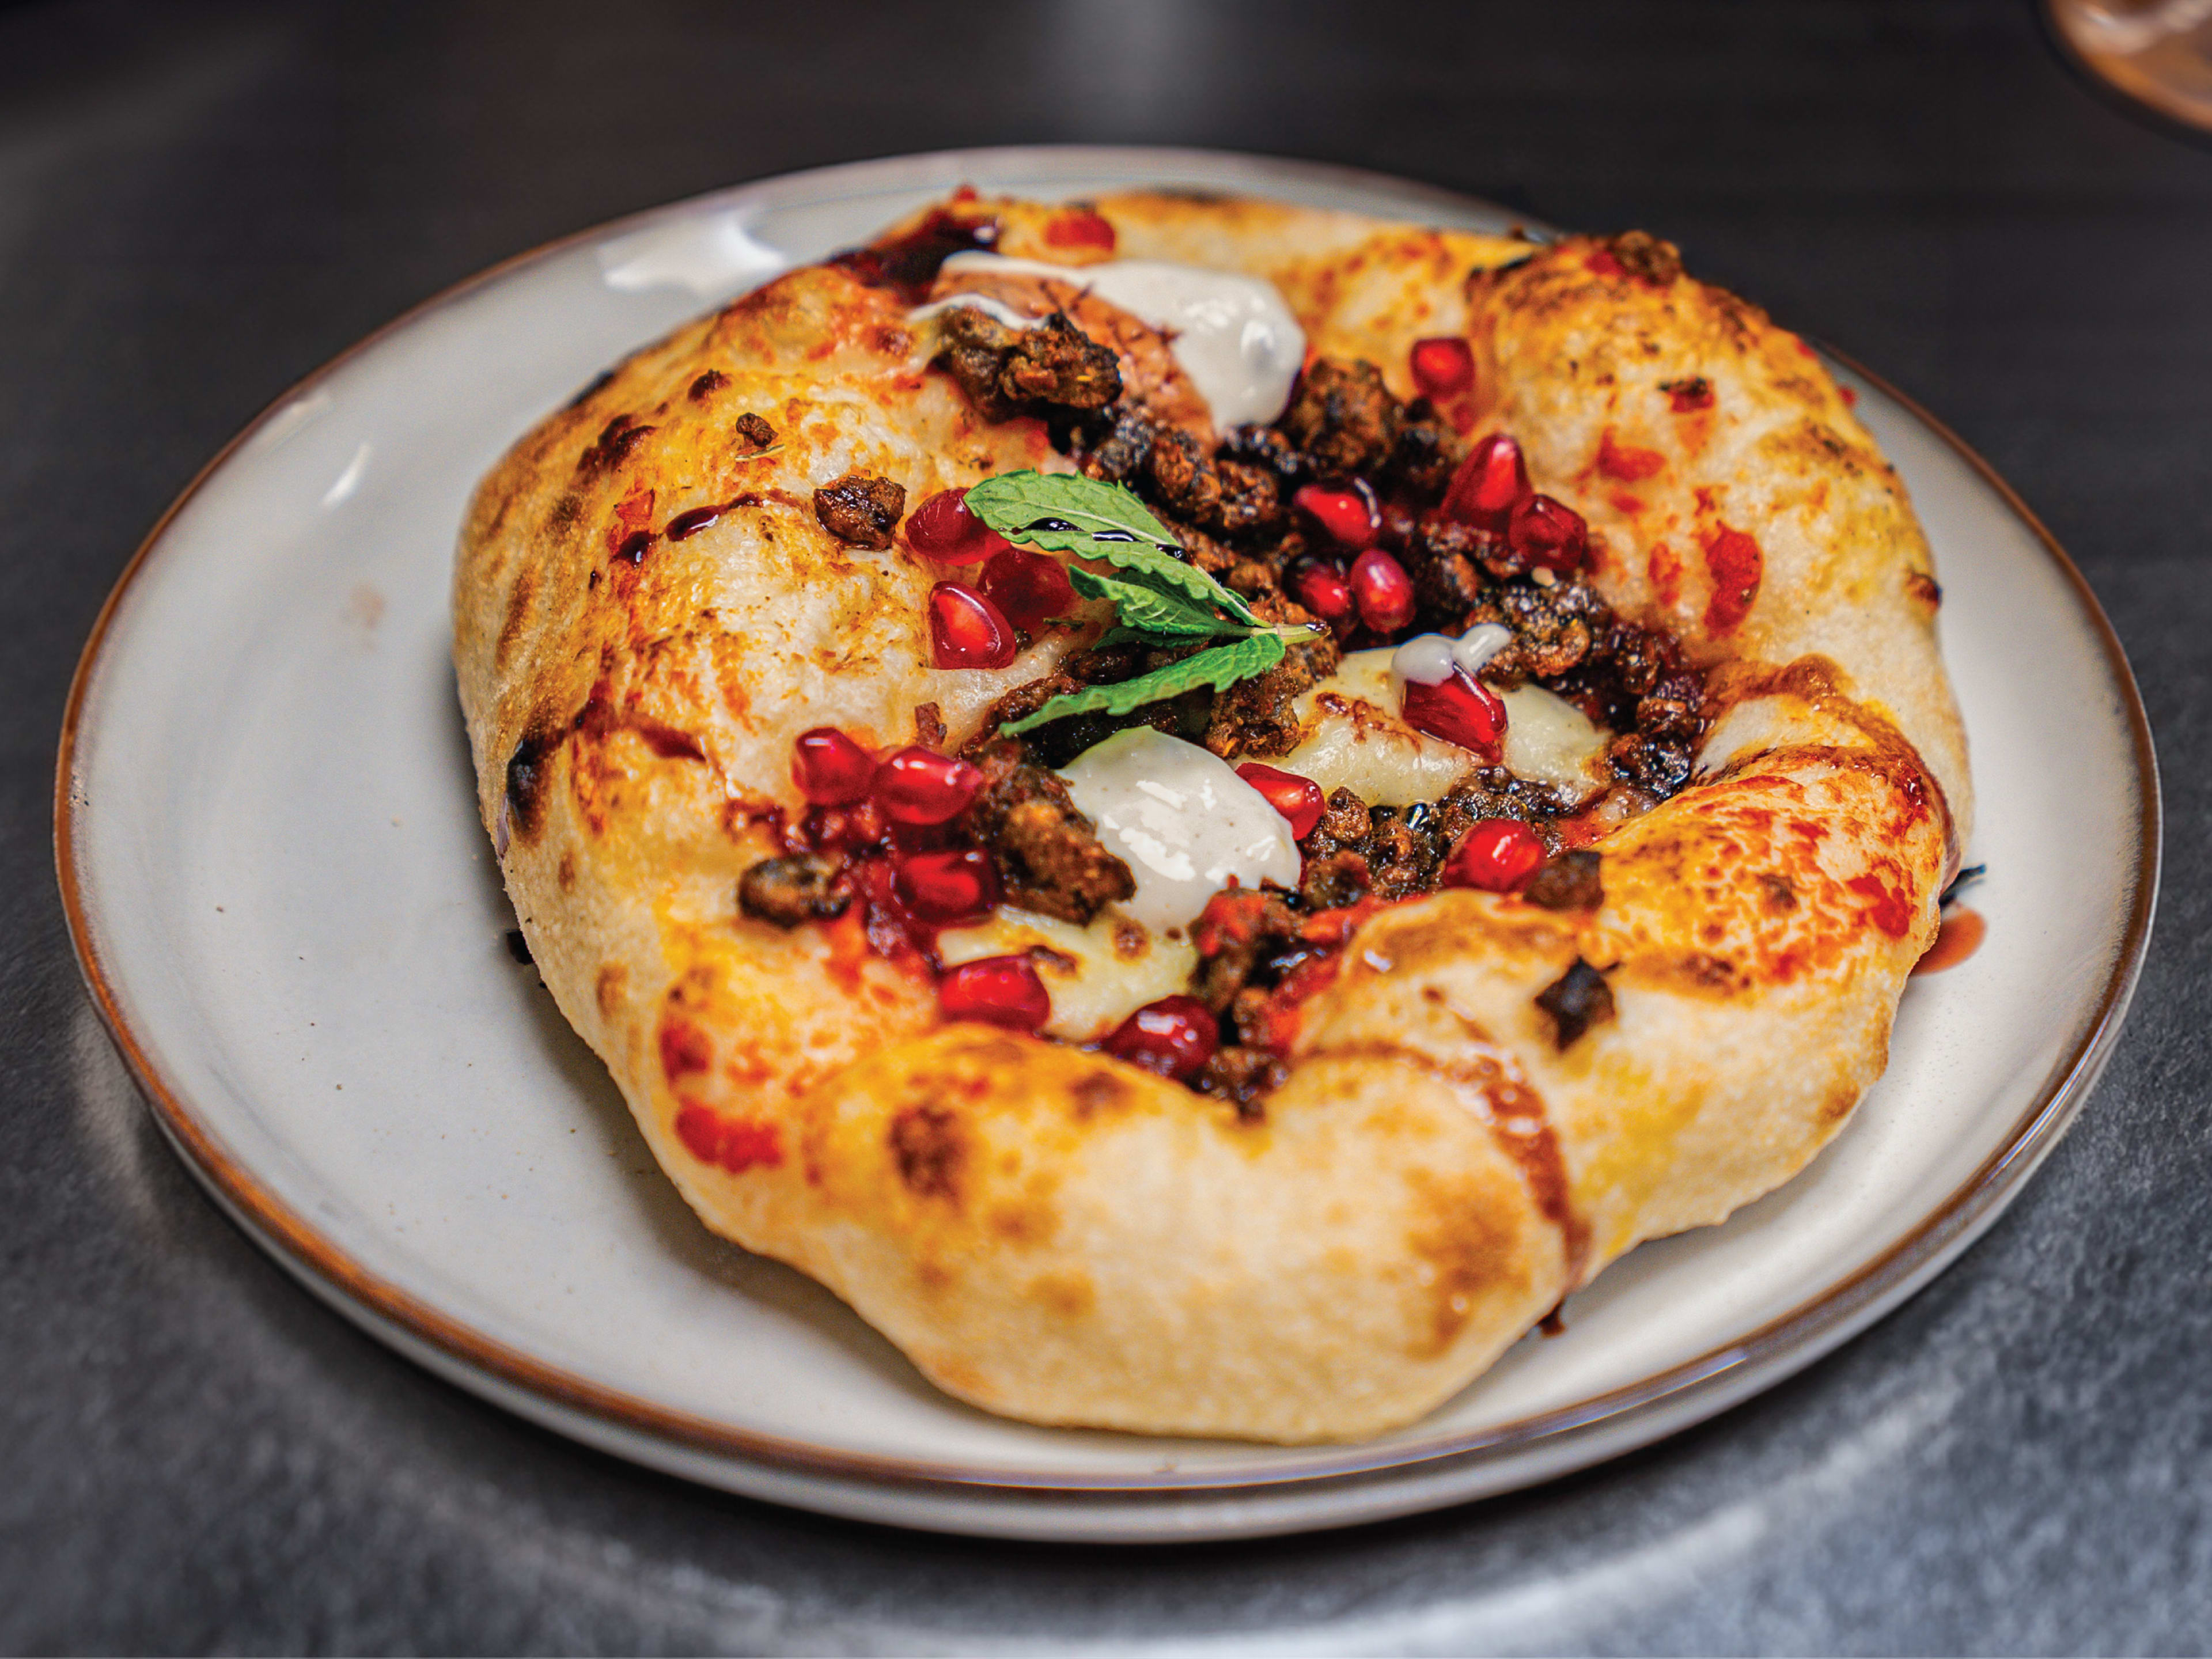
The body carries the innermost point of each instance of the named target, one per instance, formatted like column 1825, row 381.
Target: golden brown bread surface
column 1049, row 1232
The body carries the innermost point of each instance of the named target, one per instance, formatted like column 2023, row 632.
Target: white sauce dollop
column 1183, row 821
column 1430, row 658
column 1232, row 335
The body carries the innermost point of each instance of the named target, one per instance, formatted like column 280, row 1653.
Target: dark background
column 199, row 204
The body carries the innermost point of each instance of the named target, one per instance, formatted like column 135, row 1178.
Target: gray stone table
column 198, row 203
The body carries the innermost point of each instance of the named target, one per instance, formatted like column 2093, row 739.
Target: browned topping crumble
column 1053, row 365
column 1049, row 857
column 861, row 510
column 802, row 887
column 929, row 726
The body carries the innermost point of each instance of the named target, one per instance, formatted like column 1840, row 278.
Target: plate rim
column 1681, row 1395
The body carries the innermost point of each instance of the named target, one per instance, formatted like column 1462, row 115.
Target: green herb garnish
column 1159, row 600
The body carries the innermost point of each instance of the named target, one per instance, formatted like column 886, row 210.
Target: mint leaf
column 1067, row 513
column 1220, row 668
column 1147, row 610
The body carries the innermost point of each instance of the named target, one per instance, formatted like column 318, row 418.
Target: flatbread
column 1049, row 1232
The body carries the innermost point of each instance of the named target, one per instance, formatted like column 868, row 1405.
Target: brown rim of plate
column 1798, row 1337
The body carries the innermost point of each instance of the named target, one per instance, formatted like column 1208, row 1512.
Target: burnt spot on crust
column 909, row 264
column 1053, row 365
column 612, row 447
column 1924, row 588
column 1644, row 257
column 1577, row 1000
column 1777, row 894
column 756, row 430
column 929, row 1149
column 859, row 510
column 591, row 389
column 610, row 988
column 1049, row 854
column 798, row 888
column 706, row 385
column 1098, row 1092
column 1570, row 882
column 521, row 599
column 529, row 775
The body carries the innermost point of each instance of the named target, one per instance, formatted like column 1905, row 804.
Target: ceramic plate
column 292, row 923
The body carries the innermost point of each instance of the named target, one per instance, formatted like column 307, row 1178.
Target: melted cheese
column 1183, row 821
column 1232, row 335
column 1355, row 739
column 1096, row 976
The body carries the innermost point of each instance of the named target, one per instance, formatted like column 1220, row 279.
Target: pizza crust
column 1052, row 1234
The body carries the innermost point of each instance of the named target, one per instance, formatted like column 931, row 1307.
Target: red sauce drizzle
column 1886, row 907
column 737, row 1143
column 1079, row 227
column 1736, row 565
column 1625, row 461
column 1959, row 937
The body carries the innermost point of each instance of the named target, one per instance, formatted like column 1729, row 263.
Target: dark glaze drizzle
column 599, row 717
column 685, row 525
column 911, row 264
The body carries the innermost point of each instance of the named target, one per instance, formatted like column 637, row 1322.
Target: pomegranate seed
column 966, row 630
column 948, row 888
column 1442, row 367
column 1348, row 515
column 1460, row 710
column 1497, row 855
column 998, row 990
column 1299, row 800
column 829, row 768
column 1489, row 484
column 944, row 529
column 1029, row 588
column 1173, row 1037
column 915, row 786
column 1548, row 533
column 1322, row 590
column 1384, row 590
